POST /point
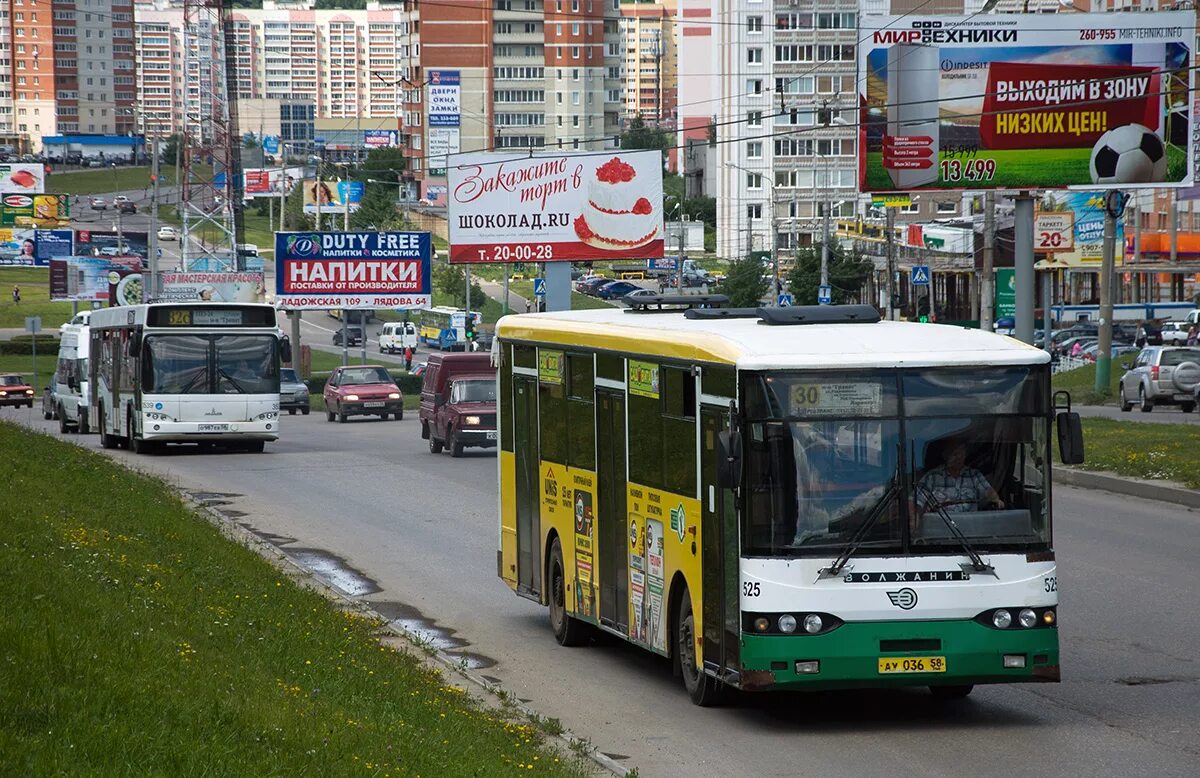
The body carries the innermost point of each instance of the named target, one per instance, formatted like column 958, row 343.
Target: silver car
column 1162, row 375
column 293, row 393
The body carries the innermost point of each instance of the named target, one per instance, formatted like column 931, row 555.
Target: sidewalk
column 1162, row 414
column 516, row 303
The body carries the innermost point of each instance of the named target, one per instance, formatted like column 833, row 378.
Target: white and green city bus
column 186, row 373
column 785, row 498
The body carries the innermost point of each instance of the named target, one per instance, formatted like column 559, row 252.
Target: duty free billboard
column 998, row 101
column 323, row 270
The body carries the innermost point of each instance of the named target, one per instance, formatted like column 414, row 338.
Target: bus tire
column 568, row 630
column 106, row 440
column 951, row 692
column 255, row 447
column 703, row 689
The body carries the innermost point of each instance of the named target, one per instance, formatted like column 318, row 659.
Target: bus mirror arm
column 729, row 460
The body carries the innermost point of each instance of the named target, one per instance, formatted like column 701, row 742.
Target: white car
column 168, row 233
column 120, row 199
column 1175, row 333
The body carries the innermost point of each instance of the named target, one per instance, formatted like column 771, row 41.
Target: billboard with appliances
column 96, row 279
column 322, row 270
column 212, row 287
column 42, row 210
column 513, row 207
column 29, row 178
column 333, row 195
column 993, row 101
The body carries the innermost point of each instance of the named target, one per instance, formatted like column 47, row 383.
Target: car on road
column 49, row 403
column 362, row 390
column 127, row 207
column 1175, row 333
column 590, row 285
column 293, row 393
column 616, row 290
column 458, row 402
column 354, row 335
column 397, row 336
column 1161, row 375
column 99, row 204
column 638, row 295
column 167, row 232
column 120, row 199
column 15, row 391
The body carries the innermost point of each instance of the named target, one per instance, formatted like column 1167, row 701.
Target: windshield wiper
column 221, row 373
column 201, row 373
column 860, row 534
column 940, row 509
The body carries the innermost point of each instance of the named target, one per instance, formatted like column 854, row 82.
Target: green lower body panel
column 849, row 656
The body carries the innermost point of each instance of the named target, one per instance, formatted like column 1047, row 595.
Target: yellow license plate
column 912, row 664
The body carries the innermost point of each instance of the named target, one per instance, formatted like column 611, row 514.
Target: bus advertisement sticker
column 655, row 633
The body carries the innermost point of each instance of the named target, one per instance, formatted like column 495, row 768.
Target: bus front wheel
column 568, row 631
column 704, row 690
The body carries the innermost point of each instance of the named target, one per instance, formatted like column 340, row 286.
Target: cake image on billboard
column 910, row 148
column 617, row 215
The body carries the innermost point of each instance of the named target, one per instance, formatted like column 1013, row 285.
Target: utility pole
column 891, row 262
column 1114, row 205
column 825, row 246
column 987, row 277
column 1173, row 216
column 1023, row 262
column 151, row 290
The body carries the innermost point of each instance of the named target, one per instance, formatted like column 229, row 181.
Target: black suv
column 354, row 336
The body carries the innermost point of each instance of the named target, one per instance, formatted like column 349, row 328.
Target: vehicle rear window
column 1177, row 356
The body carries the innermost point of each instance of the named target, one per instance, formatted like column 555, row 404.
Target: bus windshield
column 906, row 451
column 210, row 364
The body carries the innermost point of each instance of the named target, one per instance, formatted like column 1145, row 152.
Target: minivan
column 71, row 378
column 458, row 402
column 397, row 336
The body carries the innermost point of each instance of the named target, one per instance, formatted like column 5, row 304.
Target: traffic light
column 923, row 310
column 470, row 326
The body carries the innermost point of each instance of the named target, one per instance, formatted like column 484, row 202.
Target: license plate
column 212, row 428
column 491, row 435
column 912, row 664
column 374, row 405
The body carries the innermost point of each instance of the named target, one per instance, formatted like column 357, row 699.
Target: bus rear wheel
column 568, row 630
column 106, row 440
column 703, row 689
column 951, row 692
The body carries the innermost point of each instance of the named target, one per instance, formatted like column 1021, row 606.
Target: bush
column 22, row 345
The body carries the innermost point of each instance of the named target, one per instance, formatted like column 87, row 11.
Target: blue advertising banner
column 445, row 98
column 364, row 270
column 30, row 247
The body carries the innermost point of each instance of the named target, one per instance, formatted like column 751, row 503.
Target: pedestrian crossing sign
column 539, row 287
column 920, row 275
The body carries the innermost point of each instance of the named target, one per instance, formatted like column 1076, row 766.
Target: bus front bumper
column 850, row 656
column 199, row 432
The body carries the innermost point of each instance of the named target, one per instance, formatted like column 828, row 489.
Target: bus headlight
column 471, row 421
column 813, row 624
column 1027, row 618
column 1002, row 619
column 787, row 623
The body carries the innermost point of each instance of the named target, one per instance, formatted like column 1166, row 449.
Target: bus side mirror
column 134, row 347
column 285, row 349
column 729, row 460
column 1070, row 438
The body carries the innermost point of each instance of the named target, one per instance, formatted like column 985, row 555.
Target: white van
column 396, row 336
column 71, row 378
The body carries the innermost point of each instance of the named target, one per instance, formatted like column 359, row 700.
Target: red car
column 14, row 391
column 362, row 390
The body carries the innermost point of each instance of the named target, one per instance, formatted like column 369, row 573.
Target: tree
column 744, row 284
column 377, row 209
column 640, row 136
column 702, row 209
column 847, row 274
column 450, row 281
column 385, row 164
column 296, row 218
column 169, row 150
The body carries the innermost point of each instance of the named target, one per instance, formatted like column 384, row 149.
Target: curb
column 1147, row 490
column 451, row 665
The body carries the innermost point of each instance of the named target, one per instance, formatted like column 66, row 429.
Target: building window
column 754, row 86
column 754, row 211
column 947, row 206
column 753, row 181
column 754, row 119
column 754, row 149
column 754, row 55
column 754, row 24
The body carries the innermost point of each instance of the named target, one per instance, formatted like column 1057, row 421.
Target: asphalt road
column 1162, row 414
column 416, row 535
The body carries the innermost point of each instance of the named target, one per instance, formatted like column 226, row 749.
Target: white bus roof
column 751, row 345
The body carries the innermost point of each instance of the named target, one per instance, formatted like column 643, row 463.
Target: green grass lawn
column 1025, row 169
column 16, row 363
column 1142, row 450
column 35, row 298
column 1081, row 383
column 105, row 180
column 139, row 640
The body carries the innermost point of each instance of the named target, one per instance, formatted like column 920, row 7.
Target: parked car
column 616, row 290
column 590, row 285
column 15, row 391
column 457, row 407
column 49, row 403
column 1175, row 333
column 419, row 369
column 98, row 204
column 1149, row 333
column 354, row 335
column 1162, row 375
column 396, row 336
column 362, row 390
column 638, row 294
column 293, row 393
column 167, row 232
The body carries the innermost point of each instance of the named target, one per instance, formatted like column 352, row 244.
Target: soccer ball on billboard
column 1129, row 154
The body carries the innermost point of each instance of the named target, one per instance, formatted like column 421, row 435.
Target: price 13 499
column 968, row 169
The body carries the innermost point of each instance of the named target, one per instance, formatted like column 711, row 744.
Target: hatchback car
column 98, row 204
column 127, row 207
column 1162, row 375
column 362, row 390
column 293, row 393
column 354, row 336
column 15, row 391
column 168, row 233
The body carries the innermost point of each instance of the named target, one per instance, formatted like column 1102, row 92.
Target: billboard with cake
column 594, row 205
column 998, row 101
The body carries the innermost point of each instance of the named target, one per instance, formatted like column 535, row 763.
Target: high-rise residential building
column 158, row 46
column 650, row 56
column 65, row 67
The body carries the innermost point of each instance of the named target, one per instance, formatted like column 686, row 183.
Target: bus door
column 719, row 560
column 525, row 446
column 613, row 525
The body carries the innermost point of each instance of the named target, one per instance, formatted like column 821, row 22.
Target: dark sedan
column 616, row 290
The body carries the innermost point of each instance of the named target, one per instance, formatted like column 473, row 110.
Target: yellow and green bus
column 784, row 498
